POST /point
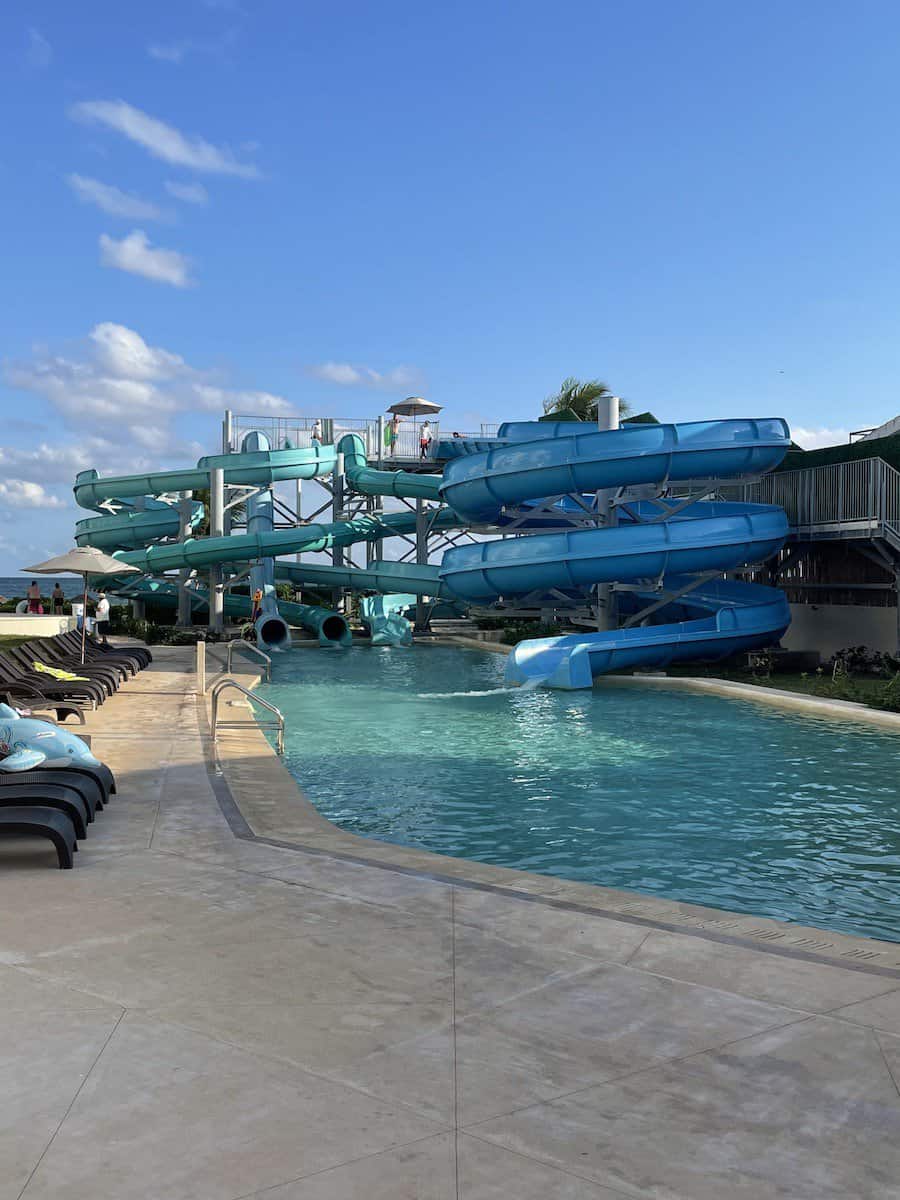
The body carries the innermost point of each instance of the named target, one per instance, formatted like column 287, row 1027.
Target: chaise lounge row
column 60, row 803
column 57, row 803
column 29, row 673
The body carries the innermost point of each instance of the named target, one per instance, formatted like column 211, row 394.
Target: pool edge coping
column 274, row 810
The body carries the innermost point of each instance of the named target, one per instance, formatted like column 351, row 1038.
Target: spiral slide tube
column 654, row 550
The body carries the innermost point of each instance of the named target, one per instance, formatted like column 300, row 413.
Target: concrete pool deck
column 230, row 998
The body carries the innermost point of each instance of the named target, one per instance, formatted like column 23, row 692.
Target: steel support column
column 184, row 532
column 216, row 529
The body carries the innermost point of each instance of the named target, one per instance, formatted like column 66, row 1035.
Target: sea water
column 709, row 800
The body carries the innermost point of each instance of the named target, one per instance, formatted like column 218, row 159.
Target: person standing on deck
column 316, row 438
column 424, row 440
column 34, row 597
column 101, row 616
column 395, row 434
column 58, row 597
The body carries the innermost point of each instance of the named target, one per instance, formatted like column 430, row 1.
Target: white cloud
column 813, row 439
column 124, row 354
column 176, row 52
column 129, row 391
column 161, row 140
column 190, row 193
column 217, row 399
column 39, row 53
column 23, row 493
column 135, row 255
column 354, row 375
column 113, row 200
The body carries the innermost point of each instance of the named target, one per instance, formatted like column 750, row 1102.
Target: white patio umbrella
column 84, row 561
column 415, row 406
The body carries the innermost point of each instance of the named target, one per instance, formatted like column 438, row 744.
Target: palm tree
column 580, row 397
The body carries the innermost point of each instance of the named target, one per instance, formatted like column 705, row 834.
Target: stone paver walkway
column 193, row 1015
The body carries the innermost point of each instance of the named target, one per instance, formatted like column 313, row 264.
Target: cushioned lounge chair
column 14, row 678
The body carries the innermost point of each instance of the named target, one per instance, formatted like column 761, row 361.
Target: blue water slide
column 651, row 547
column 479, row 486
column 706, row 537
column 729, row 616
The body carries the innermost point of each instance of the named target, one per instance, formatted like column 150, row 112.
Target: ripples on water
column 696, row 798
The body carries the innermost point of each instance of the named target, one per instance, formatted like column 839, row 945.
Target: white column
column 184, row 532
column 421, row 557
column 216, row 529
column 607, row 419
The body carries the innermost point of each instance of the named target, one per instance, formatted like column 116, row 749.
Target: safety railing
column 851, row 499
column 245, row 645
column 277, row 725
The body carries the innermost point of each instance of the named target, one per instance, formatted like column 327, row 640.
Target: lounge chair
column 25, row 696
column 28, row 654
column 14, row 679
column 41, row 822
column 71, row 643
column 89, row 790
column 56, row 654
column 48, row 795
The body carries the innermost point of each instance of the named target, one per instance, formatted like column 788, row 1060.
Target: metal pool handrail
column 229, row 653
column 278, row 724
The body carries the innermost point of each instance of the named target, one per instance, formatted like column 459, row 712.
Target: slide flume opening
column 334, row 628
column 272, row 631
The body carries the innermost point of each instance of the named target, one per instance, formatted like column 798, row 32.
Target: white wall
column 34, row 625
column 831, row 627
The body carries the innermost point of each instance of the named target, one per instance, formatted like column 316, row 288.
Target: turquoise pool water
column 696, row 798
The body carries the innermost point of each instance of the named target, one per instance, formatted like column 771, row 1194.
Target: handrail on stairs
column 278, row 724
column 229, row 654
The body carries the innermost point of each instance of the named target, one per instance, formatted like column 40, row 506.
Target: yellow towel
column 57, row 673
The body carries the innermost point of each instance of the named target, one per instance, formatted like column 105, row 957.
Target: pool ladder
column 277, row 724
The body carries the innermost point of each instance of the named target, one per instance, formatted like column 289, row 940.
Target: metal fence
column 852, row 499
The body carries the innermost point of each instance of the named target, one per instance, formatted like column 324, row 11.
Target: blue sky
column 320, row 208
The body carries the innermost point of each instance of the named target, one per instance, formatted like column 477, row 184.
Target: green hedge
column 887, row 448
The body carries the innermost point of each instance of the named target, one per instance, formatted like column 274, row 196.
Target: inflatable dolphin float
column 26, row 743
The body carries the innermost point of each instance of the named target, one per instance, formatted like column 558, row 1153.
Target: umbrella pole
column 83, row 619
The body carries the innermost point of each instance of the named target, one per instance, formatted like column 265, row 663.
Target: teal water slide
column 666, row 551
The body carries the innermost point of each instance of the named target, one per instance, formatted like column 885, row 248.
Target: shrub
column 860, row 660
column 888, row 697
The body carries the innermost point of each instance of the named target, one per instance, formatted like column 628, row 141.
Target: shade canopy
column 83, row 560
column 415, row 406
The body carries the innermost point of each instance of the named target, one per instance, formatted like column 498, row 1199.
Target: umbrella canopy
column 415, row 406
column 84, row 561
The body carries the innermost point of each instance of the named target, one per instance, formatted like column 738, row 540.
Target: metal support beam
column 184, row 532
column 422, row 613
column 668, row 597
column 216, row 529
column 337, row 514
column 607, row 419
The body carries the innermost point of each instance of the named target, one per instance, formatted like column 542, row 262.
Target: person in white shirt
column 424, row 440
column 316, row 438
column 101, row 616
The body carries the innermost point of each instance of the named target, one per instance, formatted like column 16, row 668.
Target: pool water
column 697, row 798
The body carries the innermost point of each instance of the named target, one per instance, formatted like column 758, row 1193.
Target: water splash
column 529, row 686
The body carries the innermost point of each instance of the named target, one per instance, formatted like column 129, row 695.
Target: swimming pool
column 696, row 798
